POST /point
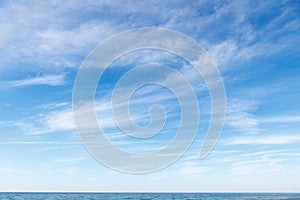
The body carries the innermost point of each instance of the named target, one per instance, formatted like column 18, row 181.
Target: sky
column 254, row 44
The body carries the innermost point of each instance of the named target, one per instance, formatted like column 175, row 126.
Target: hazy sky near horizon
column 255, row 45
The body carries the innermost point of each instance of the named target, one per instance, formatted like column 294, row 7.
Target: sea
column 149, row 196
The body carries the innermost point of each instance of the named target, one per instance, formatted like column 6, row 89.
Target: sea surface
column 149, row 196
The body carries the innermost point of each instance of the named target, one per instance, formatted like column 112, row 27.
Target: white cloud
column 244, row 40
column 53, row 32
column 54, row 121
column 264, row 140
column 55, row 105
column 222, row 52
column 48, row 33
column 54, row 117
column 69, row 160
column 58, row 117
column 52, row 80
column 240, row 115
column 61, row 120
column 75, row 41
column 263, row 166
column 38, row 143
column 59, row 146
column 280, row 119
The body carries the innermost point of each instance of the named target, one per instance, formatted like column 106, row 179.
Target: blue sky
column 255, row 45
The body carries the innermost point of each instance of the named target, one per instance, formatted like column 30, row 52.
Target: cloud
column 264, row 165
column 223, row 52
column 240, row 115
column 53, row 105
column 59, row 117
column 38, row 143
column 74, row 41
column 50, row 118
column 70, row 160
column 58, row 147
column 264, row 140
column 280, row 119
column 52, row 31
column 49, row 33
column 243, row 39
column 50, row 122
column 51, row 80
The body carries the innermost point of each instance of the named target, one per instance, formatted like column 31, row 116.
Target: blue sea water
column 149, row 196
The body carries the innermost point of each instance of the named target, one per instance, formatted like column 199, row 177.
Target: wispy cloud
column 49, row 122
column 70, row 160
column 281, row 119
column 240, row 115
column 50, row 34
column 246, row 40
column 264, row 140
column 58, row 147
column 38, row 143
column 52, row 80
column 263, row 166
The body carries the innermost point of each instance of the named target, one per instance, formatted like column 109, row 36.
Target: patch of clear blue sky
column 255, row 44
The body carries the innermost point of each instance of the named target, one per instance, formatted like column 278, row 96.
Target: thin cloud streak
column 264, row 140
column 281, row 119
column 51, row 80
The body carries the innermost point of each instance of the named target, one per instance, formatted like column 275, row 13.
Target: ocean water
column 149, row 196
